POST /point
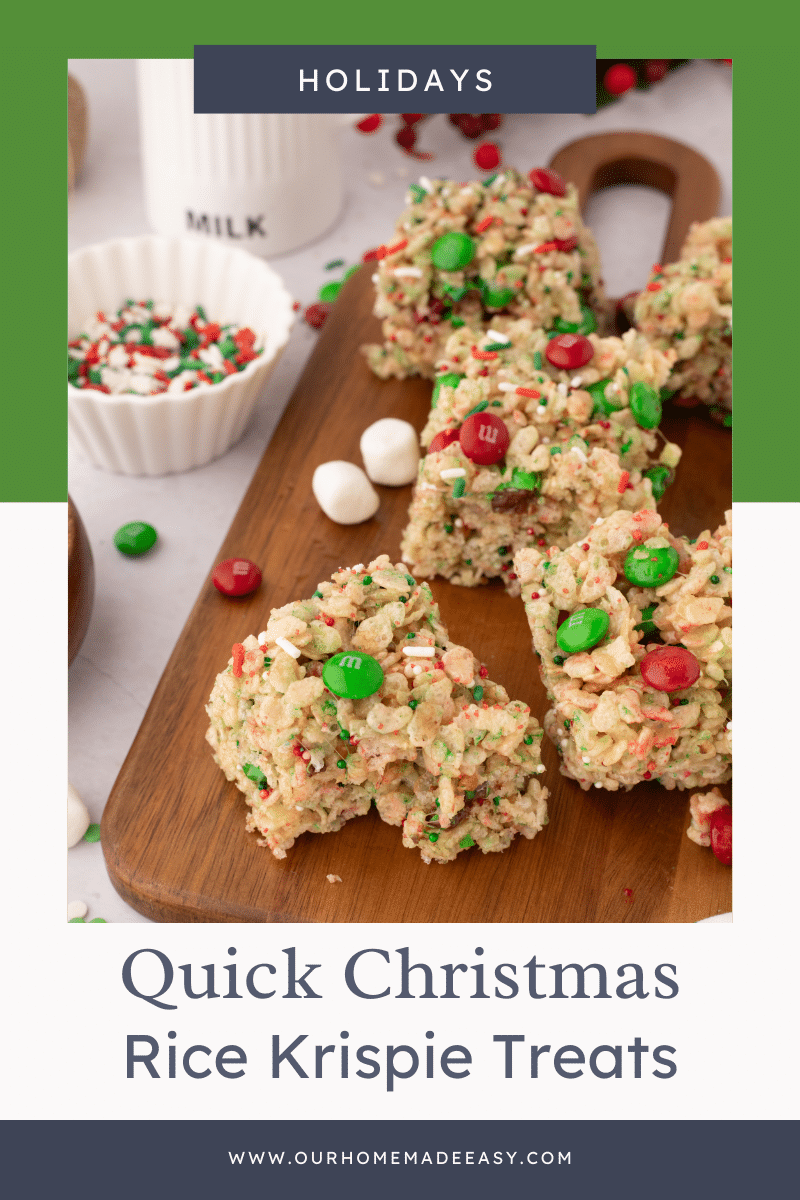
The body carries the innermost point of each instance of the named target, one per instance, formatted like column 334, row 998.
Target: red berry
column 655, row 69
column 569, row 350
column 484, row 438
column 411, row 118
column 721, row 828
column 670, row 669
column 442, row 439
column 470, row 125
column 317, row 314
column 491, row 121
column 566, row 244
column 236, row 577
column 547, row 181
column 406, row 137
column 370, row 124
column 619, row 79
column 487, row 156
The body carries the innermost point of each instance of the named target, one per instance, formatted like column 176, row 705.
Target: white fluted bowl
column 161, row 434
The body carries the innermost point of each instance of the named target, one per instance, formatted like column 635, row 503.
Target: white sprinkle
column 428, row 487
column 577, row 450
column 541, row 410
column 263, row 638
column 598, row 785
column 265, row 674
column 495, row 338
column 564, row 742
column 299, row 807
column 453, row 473
column 420, row 651
column 586, row 761
column 459, row 522
column 288, row 647
column 357, row 567
column 526, row 249
column 507, row 387
column 715, row 647
column 540, row 769
column 424, row 182
column 562, row 389
column 374, row 277
column 412, row 272
column 334, row 878
column 729, row 725
column 599, row 521
column 576, row 382
column 416, row 671
column 545, row 441
column 78, row 908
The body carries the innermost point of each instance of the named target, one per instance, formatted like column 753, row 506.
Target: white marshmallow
column 77, row 817
column 390, row 449
column 344, row 493
column 77, row 908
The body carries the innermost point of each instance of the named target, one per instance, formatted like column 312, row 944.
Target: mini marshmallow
column 77, row 909
column 344, row 493
column 77, row 817
column 390, row 449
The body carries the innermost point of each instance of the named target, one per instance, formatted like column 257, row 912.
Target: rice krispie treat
column 358, row 694
column 632, row 627
column 463, row 252
column 688, row 307
column 530, row 439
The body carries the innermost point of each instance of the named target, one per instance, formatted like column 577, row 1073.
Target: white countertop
column 141, row 605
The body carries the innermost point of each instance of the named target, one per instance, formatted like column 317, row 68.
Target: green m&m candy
column 645, row 405
column 660, row 479
column 452, row 251
column 352, row 675
column 602, row 405
column 647, row 625
column 451, row 379
column 650, row 566
column 135, row 538
column 495, row 297
column 582, row 629
column 587, row 324
column 328, row 292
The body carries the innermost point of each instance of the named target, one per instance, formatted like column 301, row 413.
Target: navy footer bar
column 563, row 1159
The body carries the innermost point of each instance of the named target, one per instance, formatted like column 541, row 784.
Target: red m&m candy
column 484, row 438
column 442, row 439
column 670, row 669
column 566, row 244
column 236, row 577
column 547, row 181
column 721, row 829
column 569, row 350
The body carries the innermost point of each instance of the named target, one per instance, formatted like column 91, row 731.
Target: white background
column 67, row 1013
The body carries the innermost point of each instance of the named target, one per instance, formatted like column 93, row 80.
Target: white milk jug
column 267, row 182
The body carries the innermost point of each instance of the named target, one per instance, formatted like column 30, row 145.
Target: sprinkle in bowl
column 169, row 431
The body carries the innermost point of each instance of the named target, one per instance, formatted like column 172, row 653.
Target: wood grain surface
column 80, row 580
column 607, row 159
column 173, row 830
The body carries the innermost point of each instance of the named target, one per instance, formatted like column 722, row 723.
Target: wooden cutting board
column 173, row 830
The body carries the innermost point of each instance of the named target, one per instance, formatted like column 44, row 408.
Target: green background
column 33, row 445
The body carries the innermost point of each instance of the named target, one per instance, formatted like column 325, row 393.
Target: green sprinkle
column 367, row 580
column 502, row 549
column 328, row 292
column 341, row 764
column 528, row 739
column 727, row 421
column 625, row 447
column 413, row 703
column 469, row 795
column 555, row 449
column 433, row 837
column 95, row 376
column 334, row 263
column 448, row 528
column 267, row 661
column 497, row 346
column 713, row 579
column 457, row 322
column 411, row 581
column 477, row 693
column 201, row 312
column 728, row 570
column 497, row 404
column 478, row 408
column 417, row 192
column 317, row 595
column 92, row 834
column 537, row 360
column 558, row 660
column 496, row 801
column 468, row 561
column 466, row 842
column 344, row 734
column 459, row 487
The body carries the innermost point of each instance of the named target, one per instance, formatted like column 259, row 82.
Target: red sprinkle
column 317, row 314
column 397, row 247
column 370, row 124
column 702, row 545
column 531, row 393
column 623, row 481
column 628, row 894
column 545, row 247
column 238, row 658
column 484, row 671
column 484, row 225
column 654, row 287
column 483, row 354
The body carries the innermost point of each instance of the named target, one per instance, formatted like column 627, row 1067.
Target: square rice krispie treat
column 357, row 694
column 530, row 439
column 688, row 307
column 463, row 252
column 632, row 628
